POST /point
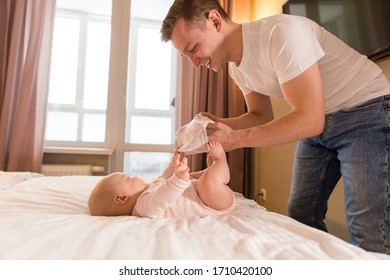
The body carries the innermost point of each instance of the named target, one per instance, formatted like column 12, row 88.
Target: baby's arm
column 160, row 196
column 181, row 168
column 168, row 172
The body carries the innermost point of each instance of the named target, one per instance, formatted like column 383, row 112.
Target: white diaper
column 193, row 136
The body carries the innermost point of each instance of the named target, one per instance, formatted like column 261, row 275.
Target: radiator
column 70, row 169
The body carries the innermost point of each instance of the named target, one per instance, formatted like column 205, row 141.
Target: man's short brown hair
column 190, row 10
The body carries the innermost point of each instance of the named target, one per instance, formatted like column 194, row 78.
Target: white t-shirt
column 279, row 48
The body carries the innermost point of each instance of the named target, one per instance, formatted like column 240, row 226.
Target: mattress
column 47, row 218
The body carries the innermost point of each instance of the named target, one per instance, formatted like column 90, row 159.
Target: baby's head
column 115, row 195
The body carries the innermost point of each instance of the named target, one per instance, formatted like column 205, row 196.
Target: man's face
column 201, row 45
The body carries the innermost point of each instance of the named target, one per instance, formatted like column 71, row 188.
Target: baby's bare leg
column 212, row 185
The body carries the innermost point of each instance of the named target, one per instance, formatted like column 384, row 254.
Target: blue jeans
column 355, row 144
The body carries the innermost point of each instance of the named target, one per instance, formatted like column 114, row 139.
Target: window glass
column 88, row 105
column 151, row 86
column 153, row 80
column 97, row 65
column 61, row 126
column 79, row 75
column 94, row 127
column 150, row 130
column 64, row 62
column 147, row 165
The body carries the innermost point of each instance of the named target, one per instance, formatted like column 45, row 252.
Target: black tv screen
column 362, row 24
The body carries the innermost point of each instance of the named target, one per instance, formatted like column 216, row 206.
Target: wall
column 274, row 165
column 264, row 8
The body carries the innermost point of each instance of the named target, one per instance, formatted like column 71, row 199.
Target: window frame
column 77, row 108
column 136, row 24
column 117, row 89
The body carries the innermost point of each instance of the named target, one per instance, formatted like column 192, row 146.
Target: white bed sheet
column 47, row 218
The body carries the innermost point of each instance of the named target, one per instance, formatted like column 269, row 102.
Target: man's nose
column 194, row 60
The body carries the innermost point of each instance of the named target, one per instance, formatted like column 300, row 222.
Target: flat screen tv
column 362, row 24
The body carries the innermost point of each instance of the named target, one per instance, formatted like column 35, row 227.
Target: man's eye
column 193, row 50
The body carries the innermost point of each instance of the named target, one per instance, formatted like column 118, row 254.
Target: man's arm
column 306, row 119
column 259, row 112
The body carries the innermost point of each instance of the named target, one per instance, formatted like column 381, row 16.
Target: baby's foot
column 215, row 151
column 209, row 160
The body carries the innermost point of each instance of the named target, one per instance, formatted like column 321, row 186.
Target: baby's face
column 126, row 184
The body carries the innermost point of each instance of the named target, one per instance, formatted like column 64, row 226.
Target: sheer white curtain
column 26, row 29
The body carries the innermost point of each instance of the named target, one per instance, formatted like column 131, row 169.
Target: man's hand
column 223, row 134
column 209, row 115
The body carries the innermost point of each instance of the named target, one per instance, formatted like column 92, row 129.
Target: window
column 79, row 78
column 112, row 83
column 150, row 118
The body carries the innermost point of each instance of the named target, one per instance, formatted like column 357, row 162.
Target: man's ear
column 121, row 199
column 215, row 19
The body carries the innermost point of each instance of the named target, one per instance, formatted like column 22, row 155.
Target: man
column 339, row 108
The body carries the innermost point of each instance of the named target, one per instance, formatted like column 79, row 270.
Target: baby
column 176, row 193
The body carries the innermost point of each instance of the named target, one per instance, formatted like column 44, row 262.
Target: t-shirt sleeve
column 294, row 47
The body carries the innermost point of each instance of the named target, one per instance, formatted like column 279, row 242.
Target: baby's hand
column 172, row 162
column 181, row 168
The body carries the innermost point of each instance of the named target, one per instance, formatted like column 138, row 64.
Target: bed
column 46, row 218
